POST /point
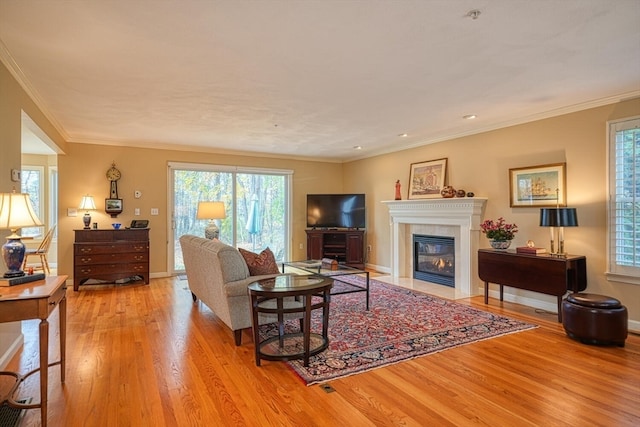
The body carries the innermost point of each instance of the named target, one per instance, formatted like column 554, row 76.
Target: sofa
column 219, row 276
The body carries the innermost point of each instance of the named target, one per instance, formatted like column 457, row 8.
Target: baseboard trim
column 12, row 350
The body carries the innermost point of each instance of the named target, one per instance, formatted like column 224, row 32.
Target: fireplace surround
column 458, row 218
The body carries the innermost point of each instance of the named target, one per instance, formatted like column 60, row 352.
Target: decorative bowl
column 500, row 244
column 448, row 192
column 116, row 225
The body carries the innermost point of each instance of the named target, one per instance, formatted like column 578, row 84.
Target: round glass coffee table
column 289, row 297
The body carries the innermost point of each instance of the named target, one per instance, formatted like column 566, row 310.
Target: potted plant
column 499, row 232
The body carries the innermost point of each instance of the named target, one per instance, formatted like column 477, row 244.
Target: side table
column 547, row 274
column 36, row 300
column 287, row 296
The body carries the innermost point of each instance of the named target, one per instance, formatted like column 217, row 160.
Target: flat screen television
column 335, row 211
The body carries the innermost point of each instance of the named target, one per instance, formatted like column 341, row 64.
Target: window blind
column 624, row 197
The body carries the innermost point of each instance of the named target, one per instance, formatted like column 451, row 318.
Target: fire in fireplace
column 434, row 259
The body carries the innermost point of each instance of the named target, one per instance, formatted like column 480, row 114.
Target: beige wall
column 478, row 163
column 481, row 163
column 13, row 101
column 82, row 170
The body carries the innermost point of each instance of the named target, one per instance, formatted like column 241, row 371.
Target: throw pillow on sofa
column 260, row 264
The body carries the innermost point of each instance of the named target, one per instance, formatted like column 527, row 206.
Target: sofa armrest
column 239, row 287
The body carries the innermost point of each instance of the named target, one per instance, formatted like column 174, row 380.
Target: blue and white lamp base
column 13, row 253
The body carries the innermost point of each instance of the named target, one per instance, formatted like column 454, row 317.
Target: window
column 256, row 203
column 33, row 184
column 624, row 201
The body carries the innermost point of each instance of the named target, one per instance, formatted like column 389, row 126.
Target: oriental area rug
column 401, row 324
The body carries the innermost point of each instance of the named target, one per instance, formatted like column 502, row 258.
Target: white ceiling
column 314, row 78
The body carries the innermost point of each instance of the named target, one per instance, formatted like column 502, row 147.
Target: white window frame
column 53, row 199
column 616, row 272
column 37, row 232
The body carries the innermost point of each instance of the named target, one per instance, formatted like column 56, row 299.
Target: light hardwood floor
column 147, row 356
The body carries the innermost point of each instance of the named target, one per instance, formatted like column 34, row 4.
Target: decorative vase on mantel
column 500, row 244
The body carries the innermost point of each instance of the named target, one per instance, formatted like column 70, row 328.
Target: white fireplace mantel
column 456, row 217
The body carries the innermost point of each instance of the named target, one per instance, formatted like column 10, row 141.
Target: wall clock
column 113, row 205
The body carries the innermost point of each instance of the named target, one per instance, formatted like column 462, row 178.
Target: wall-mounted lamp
column 87, row 204
column 558, row 217
column 16, row 212
column 211, row 211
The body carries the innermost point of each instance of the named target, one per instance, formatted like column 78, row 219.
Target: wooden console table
column 36, row 300
column 110, row 255
column 544, row 273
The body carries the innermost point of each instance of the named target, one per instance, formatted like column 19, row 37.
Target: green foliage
column 191, row 186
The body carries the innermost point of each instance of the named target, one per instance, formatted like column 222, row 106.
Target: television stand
column 345, row 246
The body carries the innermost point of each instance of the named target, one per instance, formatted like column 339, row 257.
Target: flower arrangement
column 499, row 230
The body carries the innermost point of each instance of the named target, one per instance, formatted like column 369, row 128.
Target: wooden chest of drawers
column 110, row 255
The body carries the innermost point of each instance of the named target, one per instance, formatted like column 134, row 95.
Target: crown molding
column 519, row 121
column 14, row 69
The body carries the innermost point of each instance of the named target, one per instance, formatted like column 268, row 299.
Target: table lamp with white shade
column 87, row 204
column 211, row 211
column 16, row 212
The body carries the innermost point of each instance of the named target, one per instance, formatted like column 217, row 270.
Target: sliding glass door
column 256, row 203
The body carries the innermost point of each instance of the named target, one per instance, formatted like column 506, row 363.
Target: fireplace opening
column 434, row 259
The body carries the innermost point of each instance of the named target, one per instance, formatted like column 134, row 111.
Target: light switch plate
column 154, row 211
column 15, row 175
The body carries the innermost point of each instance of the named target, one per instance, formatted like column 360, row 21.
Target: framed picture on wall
column 538, row 186
column 113, row 206
column 426, row 179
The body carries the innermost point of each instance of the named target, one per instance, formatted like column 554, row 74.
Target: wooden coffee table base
column 283, row 290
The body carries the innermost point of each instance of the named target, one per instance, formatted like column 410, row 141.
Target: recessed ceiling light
column 357, row 147
column 403, row 135
column 469, row 116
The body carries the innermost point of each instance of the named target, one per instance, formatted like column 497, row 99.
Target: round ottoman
column 595, row 319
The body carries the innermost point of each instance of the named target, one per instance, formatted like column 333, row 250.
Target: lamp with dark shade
column 560, row 218
column 16, row 212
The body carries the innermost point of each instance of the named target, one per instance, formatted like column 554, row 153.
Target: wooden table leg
column 559, row 309
column 280, row 305
column 256, row 334
column 486, row 292
column 501, row 292
column 367, row 273
column 306, row 334
column 44, row 369
column 62, row 312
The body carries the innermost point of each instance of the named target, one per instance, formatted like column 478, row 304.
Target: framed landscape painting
column 538, row 186
column 426, row 179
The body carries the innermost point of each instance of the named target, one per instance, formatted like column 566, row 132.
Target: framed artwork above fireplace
column 426, row 179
